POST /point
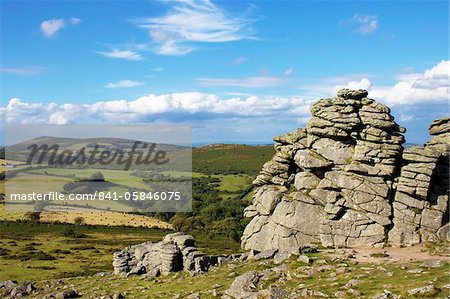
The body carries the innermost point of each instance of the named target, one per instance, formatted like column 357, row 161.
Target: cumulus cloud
column 364, row 83
column 430, row 86
column 165, row 106
column 121, row 54
column 50, row 27
column 123, row 84
column 362, row 23
column 433, row 85
column 194, row 21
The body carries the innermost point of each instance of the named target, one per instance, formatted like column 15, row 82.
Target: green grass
column 374, row 277
column 114, row 176
column 90, row 248
column 234, row 183
column 229, row 159
column 39, row 183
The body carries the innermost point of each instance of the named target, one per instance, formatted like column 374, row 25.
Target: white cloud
column 248, row 82
column 75, row 21
column 406, row 117
column 121, row 54
column 364, row 83
column 171, row 48
column 239, row 60
column 159, row 106
column 194, row 21
column 50, row 27
column 431, row 86
column 158, row 69
column 23, row 71
column 123, row 84
column 288, row 72
column 362, row 23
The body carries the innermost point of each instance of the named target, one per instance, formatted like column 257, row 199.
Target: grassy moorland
column 53, row 247
column 370, row 279
column 56, row 250
column 230, row 158
column 59, row 256
column 66, row 257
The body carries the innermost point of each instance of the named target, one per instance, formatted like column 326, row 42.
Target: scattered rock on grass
column 385, row 295
column 426, row 291
column 304, row 259
column 433, row 264
column 23, row 290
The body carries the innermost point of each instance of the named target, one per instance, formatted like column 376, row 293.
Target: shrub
column 79, row 220
column 83, row 247
column 97, row 177
column 34, row 255
column 33, row 216
column 4, row 251
column 71, row 233
column 61, row 251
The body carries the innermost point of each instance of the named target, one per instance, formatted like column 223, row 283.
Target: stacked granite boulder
column 334, row 181
column 422, row 195
column 175, row 252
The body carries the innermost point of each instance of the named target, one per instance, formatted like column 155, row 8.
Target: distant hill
column 73, row 143
column 230, row 158
column 20, row 151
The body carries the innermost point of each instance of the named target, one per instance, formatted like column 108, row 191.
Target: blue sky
column 234, row 70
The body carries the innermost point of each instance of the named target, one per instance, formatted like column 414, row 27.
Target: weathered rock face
column 421, row 201
column 175, row 253
column 335, row 182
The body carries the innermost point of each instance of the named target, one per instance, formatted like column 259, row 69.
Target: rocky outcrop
column 336, row 182
column 176, row 252
column 421, row 199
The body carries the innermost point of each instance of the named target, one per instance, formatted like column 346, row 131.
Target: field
column 53, row 247
column 58, row 255
column 92, row 217
column 369, row 279
column 114, row 176
column 66, row 257
column 64, row 250
column 230, row 158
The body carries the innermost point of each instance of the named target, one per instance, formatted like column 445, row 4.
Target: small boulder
column 23, row 290
column 267, row 254
column 118, row 296
column 433, row 264
column 281, row 257
column 385, row 295
column 304, row 259
column 444, row 233
column 244, row 286
column 426, row 291
column 68, row 294
column 8, row 284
